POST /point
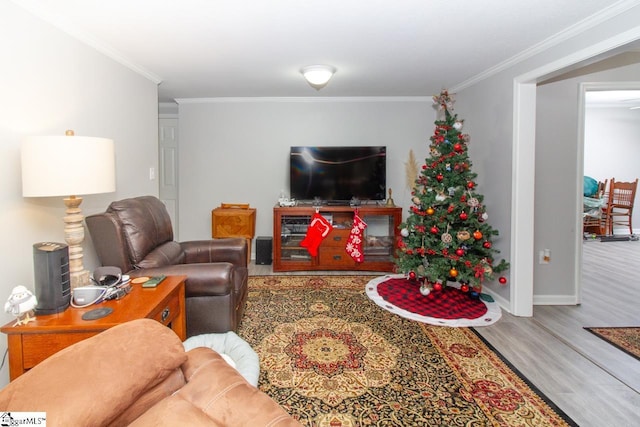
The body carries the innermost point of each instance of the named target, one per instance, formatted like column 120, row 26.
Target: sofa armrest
column 215, row 395
column 207, row 279
column 229, row 249
column 91, row 382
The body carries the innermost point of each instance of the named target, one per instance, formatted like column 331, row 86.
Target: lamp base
column 79, row 278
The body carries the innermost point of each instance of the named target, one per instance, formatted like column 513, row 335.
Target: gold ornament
column 463, row 235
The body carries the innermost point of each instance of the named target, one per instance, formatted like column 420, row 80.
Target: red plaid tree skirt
column 448, row 307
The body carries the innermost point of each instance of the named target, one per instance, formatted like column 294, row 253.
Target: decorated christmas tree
column 446, row 237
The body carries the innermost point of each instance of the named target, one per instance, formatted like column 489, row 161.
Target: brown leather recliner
column 136, row 235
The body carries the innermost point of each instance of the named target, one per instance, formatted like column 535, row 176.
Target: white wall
column 488, row 106
column 612, row 147
column 238, row 150
column 50, row 83
column 557, row 158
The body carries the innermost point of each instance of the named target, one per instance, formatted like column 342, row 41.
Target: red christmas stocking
column 318, row 230
column 354, row 243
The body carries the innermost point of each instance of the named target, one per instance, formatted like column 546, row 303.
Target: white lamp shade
column 67, row 166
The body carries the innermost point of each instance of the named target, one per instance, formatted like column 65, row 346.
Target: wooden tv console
column 380, row 237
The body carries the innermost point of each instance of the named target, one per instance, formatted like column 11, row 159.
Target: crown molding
column 303, row 99
column 71, row 29
column 566, row 34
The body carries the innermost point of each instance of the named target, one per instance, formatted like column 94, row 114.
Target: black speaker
column 263, row 250
column 52, row 278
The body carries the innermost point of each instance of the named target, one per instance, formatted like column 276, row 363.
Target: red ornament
column 463, row 216
column 487, row 244
column 439, row 177
column 412, row 275
column 458, row 148
column 502, row 280
column 464, row 287
column 437, row 286
column 459, row 251
column 470, row 184
column 434, row 230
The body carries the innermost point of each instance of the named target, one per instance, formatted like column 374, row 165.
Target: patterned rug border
column 358, row 282
column 526, row 380
column 592, row 329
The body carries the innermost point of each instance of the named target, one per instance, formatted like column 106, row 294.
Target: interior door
column 168, row 174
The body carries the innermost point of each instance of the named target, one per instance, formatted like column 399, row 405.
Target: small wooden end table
column 30, row 344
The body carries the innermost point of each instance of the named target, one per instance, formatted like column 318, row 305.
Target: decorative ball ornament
column 460, row 252
column 412, row 275
column 502, row 280
column 477, row 235
column 470, row 184
column 404, row 232
column 437, row 286
column 453, row 272
column 439, row 177
column 430, row 211
column 474, row 294
column 424, row 290
column 446, row 238
column 463, row 235
column 458, row 148
column 434, row 230
column 463, row 216
column 487, row 245
column 473, row 202
column 464, row 287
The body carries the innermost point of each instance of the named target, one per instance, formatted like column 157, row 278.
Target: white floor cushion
column 236, row 351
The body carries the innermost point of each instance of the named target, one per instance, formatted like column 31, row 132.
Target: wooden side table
column 234, row 220
column 30, row 344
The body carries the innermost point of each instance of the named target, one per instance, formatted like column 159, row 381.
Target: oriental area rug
column 626, row 339
column 332, row 357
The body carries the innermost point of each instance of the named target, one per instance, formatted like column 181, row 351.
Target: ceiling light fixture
column 318, row 75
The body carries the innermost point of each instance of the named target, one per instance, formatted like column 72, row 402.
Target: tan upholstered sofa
column 139, row 374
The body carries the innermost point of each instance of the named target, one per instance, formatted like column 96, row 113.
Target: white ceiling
column 613, row 98
column 255, row 48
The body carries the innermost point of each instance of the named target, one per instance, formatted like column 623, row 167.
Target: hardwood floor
column 590, row 380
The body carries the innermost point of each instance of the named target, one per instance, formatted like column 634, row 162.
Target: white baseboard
column 555, row 300
column 503, row 303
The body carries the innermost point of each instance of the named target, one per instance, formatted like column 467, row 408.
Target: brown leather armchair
column 136, row 235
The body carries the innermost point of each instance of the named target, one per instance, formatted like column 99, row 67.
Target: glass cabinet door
column 379, row 238
column 293, row 229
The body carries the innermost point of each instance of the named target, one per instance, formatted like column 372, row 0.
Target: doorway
column 524, row 179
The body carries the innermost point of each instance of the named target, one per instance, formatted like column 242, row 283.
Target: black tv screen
column 338, row 173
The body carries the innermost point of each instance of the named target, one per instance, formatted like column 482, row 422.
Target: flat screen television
column 338, row 174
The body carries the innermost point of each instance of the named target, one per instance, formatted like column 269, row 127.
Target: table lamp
column 69, row 166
